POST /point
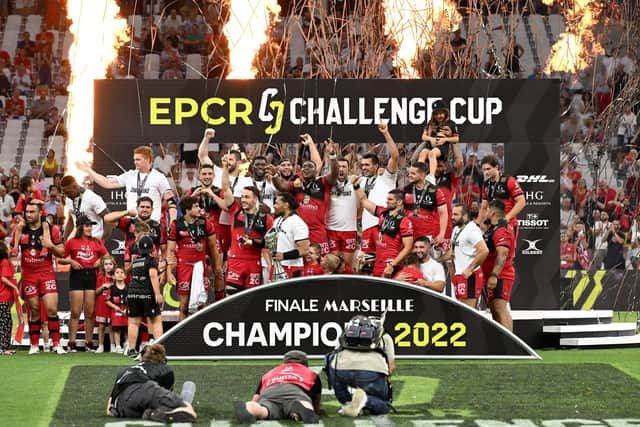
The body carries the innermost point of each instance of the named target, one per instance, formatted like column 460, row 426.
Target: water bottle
column 188, row 391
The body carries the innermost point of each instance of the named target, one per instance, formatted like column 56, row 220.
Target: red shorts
column 103, row 313
column 369, row 237
column 319, row 237
column 502, row 290
column 342, row 241
column 380, row 265
column 243, row 272
column 119, row 319
column 184, row 271
column 469, row 288
column 37, row 284
column 223, row 235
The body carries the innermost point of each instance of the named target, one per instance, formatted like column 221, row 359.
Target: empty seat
column 60, row 102
column 495, row 21
column 13, row 24
column 536, row 23
column 194, row 66
column 34, row 24
column 556, row 22
column 135, row 21
column 151, row 66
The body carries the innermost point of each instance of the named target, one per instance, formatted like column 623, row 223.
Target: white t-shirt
column 290, row 230
column 433, row 271
column 237, row 185
column 7, row 205
column 465, row 241
column 342, row 214
column 382, row 184
column 267, row 192
column 153, row 185
column 90, row 204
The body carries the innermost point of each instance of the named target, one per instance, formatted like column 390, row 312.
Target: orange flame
column 416, row 25
column 98, row 33
column 547, row 2
column 246, row 32
column 575, row 49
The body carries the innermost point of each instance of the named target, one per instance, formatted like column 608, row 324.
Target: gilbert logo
column 532, row 249
column 535, row 178
column 119, row 250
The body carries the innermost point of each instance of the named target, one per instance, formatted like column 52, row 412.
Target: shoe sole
column 168, row 417
column 242, row 414
column 306, row 415
column 358, row 401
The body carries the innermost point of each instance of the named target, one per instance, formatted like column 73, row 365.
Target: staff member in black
column 145, row 390
column 144, row 296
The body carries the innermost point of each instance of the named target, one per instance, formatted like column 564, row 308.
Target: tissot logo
column 535, row 178
column 533, row 221
column 532, row 248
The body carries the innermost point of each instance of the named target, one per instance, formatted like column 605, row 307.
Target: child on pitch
column 8, row 294
column 439, row 133
column 410, row 273
column 312, row 265
column 118, row 304
column 104, row 282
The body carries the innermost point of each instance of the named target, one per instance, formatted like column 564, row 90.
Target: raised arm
column 362, row 198
column 114, row 217
column 104, row 182
column 392, row 148
column 203, row 148
column 332, row 176
column 314, row 154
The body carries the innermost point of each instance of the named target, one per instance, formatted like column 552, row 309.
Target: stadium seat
column 136, row 22
column 194, row 66
column 10, row 43
column 60, row 102
column 151, row 66
column 556, row 22
column 515, row 23
column 537, row 24
column 56, row 143
column 33, row 25
column 13, row 24
column 296, row 40
column 68, row 39
column 495, row 21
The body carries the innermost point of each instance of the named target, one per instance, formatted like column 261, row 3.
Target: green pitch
column 580, row 384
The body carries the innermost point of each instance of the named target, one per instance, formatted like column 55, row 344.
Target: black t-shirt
column 141, row 373
column 614, row 257
column 140, row 279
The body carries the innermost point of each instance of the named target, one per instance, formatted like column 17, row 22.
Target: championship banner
column 523, row 115
column 309, row 314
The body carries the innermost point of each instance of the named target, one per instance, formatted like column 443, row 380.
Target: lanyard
column 368, row 186
column 260, row 190
column 77, row 202
column 454, row 241
column 416, row 201
column 140, row 185
column 249, row 225
column 233, row 186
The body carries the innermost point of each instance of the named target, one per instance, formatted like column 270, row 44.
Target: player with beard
column 342, row 217
column 432, row 271
column 425, row 205
column 266, row 190
column 498, row 267
column 38, row 278
column 395, row 231
column 503, row 188
column 190, row 238
column 285, row 170
column 288, row 239
column 312, row 193
column 126, row 221
column 376, row 187
column 209, row 197
column 469, row 251
column 233, row 158
column 248, row 227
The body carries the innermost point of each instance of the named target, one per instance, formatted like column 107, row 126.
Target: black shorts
column 444, row 150
column 133, row 400
column 279, row 398
column 142, row 305
column 82, row 280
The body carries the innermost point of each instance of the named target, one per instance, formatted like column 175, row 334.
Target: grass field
column 584, row 384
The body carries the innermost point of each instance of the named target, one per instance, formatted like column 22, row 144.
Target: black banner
column 617, row 290
column 309, row 314
column 521, row 114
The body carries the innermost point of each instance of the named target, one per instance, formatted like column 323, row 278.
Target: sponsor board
column 536, row 198
column 309, row 314
column 533, row 221
column 543, row 179
column 531, row 247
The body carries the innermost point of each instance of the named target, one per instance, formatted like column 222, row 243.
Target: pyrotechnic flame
column 246, row 32
column 416, row 25
column 575, row 49
column 98, row 33
column 547, row 2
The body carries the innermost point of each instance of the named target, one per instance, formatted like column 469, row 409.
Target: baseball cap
column 84, row 220
column 145, row 245
column 439, row 105
column 296, row 356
